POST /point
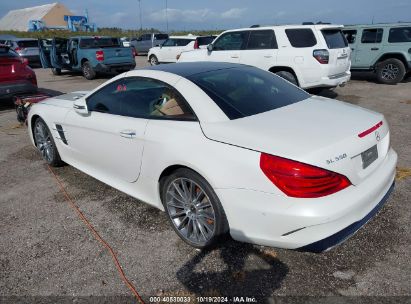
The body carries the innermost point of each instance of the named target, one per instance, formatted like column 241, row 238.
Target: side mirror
column 210, row 47
column 80, row 107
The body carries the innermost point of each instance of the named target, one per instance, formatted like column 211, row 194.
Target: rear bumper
column 17, row 87
column 308, row 224
column 332, row 81
column 342, row 235
column 123, row 67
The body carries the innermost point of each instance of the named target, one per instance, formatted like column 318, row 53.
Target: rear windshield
column 400, row 34
column 205, row 40
column 6, row 52
column 28, row 43
column 246, row 91
column 160, row 36
column 300, row 38
column 92, row 43
column 335, row 39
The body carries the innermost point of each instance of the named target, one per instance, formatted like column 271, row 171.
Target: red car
column 16, row 77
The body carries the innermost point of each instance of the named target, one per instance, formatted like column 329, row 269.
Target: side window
column 169, row 42
column 142, row 98
column 231, row 41
column 350, row 35
column 262, row 40
column 301, row 38
column 399, row 34
column 371, row 35
column 183, row 42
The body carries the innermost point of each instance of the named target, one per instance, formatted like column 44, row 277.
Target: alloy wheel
column 190, row 210
column 43, row 141
column 390, row 71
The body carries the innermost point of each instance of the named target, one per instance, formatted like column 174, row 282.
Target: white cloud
column 173, row 15
column 233, row 13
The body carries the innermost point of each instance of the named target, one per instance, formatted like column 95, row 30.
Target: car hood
column 312, row 131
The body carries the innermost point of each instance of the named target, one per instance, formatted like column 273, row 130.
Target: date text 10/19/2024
column 199, row 299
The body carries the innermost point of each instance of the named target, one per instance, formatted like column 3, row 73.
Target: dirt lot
column 45, row 250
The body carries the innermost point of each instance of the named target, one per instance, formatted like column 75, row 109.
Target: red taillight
column 18, row 49
column 297, row 179
column 372, row 129
column 196, row 45
column 100, row 55
column 322, row 56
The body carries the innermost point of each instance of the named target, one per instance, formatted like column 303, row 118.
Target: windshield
column 335, row 39
column 246, row 91
column 93, row 43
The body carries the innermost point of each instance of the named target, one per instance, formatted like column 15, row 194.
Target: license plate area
column 369, row 156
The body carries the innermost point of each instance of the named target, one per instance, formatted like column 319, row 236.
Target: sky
column 226, row 14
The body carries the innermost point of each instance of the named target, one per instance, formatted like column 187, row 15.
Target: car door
column 228, row 46
column 166, row 50
column 108, row 143
column 261, row 50
column 369, row 48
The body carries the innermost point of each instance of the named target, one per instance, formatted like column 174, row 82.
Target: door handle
column 128, row 134
column 268, row 56
column 374, row 49
column 234, row 56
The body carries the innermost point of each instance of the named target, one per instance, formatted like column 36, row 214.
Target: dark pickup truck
column 90, row 55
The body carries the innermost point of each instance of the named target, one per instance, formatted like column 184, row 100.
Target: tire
column 88, row 71
column 288, row 76
column 199, row 223
column 153, row 60
column 56, row 71
column 45, row 143
column 390, row 71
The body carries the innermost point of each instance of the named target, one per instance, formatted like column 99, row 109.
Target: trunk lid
column 11, row 68
column 115, row 55
column 316, row 131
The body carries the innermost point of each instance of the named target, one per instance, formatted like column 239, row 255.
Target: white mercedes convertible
column 226, row 148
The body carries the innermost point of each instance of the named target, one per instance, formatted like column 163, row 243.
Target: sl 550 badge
column 336, row 159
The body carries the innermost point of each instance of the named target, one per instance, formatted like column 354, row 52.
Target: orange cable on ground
column 98, row 237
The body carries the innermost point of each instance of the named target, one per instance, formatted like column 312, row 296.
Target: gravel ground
column 45, row 250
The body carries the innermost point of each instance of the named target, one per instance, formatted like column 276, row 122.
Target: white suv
column 310, row 56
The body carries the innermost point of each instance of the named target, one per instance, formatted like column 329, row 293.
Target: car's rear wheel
column 193, row 208
column 391, row 71
column 288, row 76
column 153, row 60
column 88, row 71
column 45, row 143
column 56, row 71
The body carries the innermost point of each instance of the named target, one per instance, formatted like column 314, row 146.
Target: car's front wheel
column 45, row 143
column 193, row 208
column 391, row 71
column 153, row 60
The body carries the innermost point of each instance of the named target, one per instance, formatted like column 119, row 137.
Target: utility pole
column 167, row 15
column 141, row 19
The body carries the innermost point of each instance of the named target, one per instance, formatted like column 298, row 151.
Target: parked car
column 16, row 77
column 382, row 48
column 90, row 55
column 145, row 42
column 26, row 48
column 170, row 49
column 224, row 147
column 310, row 56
